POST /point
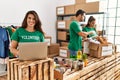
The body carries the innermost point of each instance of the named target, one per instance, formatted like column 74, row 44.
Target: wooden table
column 98, row 69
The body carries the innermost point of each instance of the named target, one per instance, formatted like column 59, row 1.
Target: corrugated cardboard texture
column 80, row 2
column 70, row 9
column 62, row 35
column 88, row 7
column 53, row 49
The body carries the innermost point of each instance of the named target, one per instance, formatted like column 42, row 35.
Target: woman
column 30, row 31
column 90, row 27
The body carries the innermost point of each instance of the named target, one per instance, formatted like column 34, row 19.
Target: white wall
column 13, row 12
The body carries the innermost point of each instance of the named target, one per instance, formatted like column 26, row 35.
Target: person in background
column 31, row 31
column 76, row 34
column 90, row 27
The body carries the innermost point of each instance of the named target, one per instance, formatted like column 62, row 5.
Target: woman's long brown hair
column 37, row 21
column 91, row 18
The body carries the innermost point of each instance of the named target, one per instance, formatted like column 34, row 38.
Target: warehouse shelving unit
column 62, row 17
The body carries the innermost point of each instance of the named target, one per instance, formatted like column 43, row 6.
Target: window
column 118, row 12
column 113, row 22
column 118, row 3
column 112, row 3
column 118, row 22
column 110, row 39
column 111, row 12
column 111, row 30
column 117, row 40
column 117, row 31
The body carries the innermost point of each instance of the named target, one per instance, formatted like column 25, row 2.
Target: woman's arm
column 13, row 47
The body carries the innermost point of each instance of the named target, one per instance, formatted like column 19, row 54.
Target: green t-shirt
column 75, row 40
column 10, row 34
column 22, row 35
column 88, row 29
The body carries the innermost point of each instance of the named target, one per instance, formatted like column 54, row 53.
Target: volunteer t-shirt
column 22, row 35
column 75, row 40
column 89, row 29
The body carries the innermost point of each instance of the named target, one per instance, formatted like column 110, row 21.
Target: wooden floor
column 3, row 77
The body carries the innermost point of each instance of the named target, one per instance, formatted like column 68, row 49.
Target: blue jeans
column 73, row 54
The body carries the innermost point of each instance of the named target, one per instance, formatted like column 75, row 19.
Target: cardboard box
column 63, row 24
column 62, row 35
column 90, row 7
column 70, row 9
column 48, row 39
column 64, row 52
column 62, row 10
column 53, row 49
column 64, row 44
column 80, row 2
column 100, row 50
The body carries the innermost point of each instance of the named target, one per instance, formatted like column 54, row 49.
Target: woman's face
column 92, row 23
column 30, row 20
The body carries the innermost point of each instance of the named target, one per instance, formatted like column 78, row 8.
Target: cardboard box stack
column 62, row 35
column 64, row 44
column 64, row 52
column 80, row 2
column 88, row 7
column 63, row 24
column 64, row 10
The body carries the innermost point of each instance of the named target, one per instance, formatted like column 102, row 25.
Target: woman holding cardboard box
column 30, row 31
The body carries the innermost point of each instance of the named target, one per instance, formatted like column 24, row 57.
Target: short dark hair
column 80, row 11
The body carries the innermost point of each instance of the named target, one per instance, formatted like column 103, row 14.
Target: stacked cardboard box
column 64, row 52
column 63, row 24
column 63, row 10
column 62, row 35
column 88, row 7
column 80, row 2
column 64, row 44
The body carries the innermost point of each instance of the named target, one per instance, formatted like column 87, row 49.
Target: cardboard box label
column 106, row 50
column 60, row 10
column 61, row 24
column 63, row 53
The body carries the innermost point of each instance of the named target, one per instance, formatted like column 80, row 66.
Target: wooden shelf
column 74, row 14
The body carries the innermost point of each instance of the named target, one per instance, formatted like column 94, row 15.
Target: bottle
column 79, row 55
